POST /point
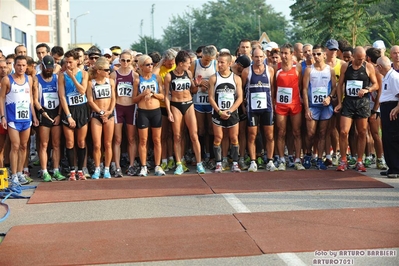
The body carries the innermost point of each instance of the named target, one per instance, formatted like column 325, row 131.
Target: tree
column 224, row 23
column 340, row 19
column 147, row 44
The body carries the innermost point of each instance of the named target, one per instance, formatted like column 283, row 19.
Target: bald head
column 383, row 65
column 359, row 50
column 394, row 53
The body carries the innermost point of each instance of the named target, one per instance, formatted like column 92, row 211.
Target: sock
column 19, row 173
column 106, row 169
column 113, row 164
column 282, row 159
column 234, row 152
column 44, row 171
column 26, row 169
column 165, row 161
column 81, row 157
column 328, row 156
column 218, row 152
column 71, row 156
column 170, row 158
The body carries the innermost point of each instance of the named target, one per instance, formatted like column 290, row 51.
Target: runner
column 181, row 110
column 354, row 82
column 147, row 92
column 225, row 96
column 72, row 85
column 125, row 113
column 288, row 104
column 47, row 104
column 259, row 79
column 17, row 114
column 101, row 98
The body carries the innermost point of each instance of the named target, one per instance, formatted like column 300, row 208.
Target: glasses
column 318, row 54
column 107, row 56
column 333, row 49
column 106, row 70
column 9, row 63
column 150, row 64
column 94, row 57
column 136, row 60
column 116, row 54
column 125, row 60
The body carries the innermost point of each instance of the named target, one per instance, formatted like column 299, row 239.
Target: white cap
column 379, row 44
column 224, row 50
column 116, row 61
column 270, row 46
column 106, row 51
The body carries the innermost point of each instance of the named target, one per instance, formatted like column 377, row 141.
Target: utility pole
column 259, row 26
column 141, row 28
column 152, row 17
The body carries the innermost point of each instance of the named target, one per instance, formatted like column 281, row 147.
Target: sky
column 118, row 22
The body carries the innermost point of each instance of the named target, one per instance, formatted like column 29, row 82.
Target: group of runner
column 303, row 97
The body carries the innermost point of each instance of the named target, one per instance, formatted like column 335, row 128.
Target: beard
column 47, row 74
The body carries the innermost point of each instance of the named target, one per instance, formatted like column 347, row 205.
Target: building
column 30, row 22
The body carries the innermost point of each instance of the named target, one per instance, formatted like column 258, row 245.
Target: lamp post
column 75, row 21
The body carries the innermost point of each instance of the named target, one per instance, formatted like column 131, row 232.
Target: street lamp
column 75, row 21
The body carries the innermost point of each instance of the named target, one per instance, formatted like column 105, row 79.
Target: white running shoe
column 271, row 167
column 253, row 167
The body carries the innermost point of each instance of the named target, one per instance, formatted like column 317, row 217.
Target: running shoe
column 299, row 166
column 46, row 177
column 236, row 168
column 185, row 168
column 218, row 168
column 211, row 164
column 164, row 166
column 321, row 165
column 72, row 176
column 22, row 179
column 159, row 171
column 281, row 166
column 367, row 162
column 270, row 166
column 334, row 160
column 107, row 174
column 327, row 162
column 112, row 170
column 260, row 162
column 85, row 173
column 200, row 169
column 352, row 161
column 307, row 162
column 342, row 166
column 58, row 176
column 242, row 164
column 131, row 171
column 225, row 165
column 81, row 175
column 253, row 167
column 291, row 161
column 143, row 171
column 247, row 160
column 360, row 167
column 179, row 169
column 118, row 173
column 381, row 164
column 171, row 164
column 96, row 174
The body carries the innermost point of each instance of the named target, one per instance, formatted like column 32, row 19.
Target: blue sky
column 118, row 22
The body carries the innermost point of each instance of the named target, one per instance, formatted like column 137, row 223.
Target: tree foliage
column 224, row 23
column 147, row 44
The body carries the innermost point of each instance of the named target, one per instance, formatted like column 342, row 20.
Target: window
column 6, row 31
column 20, row 37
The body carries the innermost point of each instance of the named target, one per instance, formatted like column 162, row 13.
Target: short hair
column 143, row 58
column 182, row 56
column 348, row 49
column 169, row 54
column 40, row 45
column 57, row 50
column 226, row 54
column 72, row 53
column 12, row 56
column 306, row 45
column 374, row 54
column 318, row 46
column 21, row 57
column 209, row 50
column 16, row 47
column 244, row 40
column 79, row 49
column 343, row 44
column 287, row 46
column 29, row 61
column 155, row 56
column 126, row 52
column 99, row 64
column 199, row 49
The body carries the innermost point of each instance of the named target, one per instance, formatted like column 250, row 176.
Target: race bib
column 284, row 95
column 225, row 100
column 258, row 100
column 124, row 90
column 50, row 100
column 76, row 99
column 22, row 110
column 181, row 84
column 353, row 87
column 318, row 95
column 102, row 91
column 148, row 85
column 201, row 98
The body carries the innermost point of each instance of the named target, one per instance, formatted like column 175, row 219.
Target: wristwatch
column 101, row 112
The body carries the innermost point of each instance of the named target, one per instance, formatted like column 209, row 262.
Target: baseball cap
column 94, row 51
column 106, row 51
column 243, row 61
column 224, row 50
column 48, row 62
column 116, row 61
column 270, row 46
column 332, row 44
column 379, row 44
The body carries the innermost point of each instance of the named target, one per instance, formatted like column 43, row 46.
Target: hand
column 308, row 115
column 4, row 122
column 394, row 113
column 57, row 120
column 69, row 72
column 171, row 118
column 204, row 85
column 362, row 92
column 71, row 122
column 35, row 121
column 338, row 108
column 327, row 101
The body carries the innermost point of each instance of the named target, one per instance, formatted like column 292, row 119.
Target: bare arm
column 5, row 87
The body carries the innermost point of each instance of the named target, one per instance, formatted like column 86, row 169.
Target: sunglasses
column 136, row 60
column 116, row 54
column 318, row 54
column 126, row 60
column 150, row 64
column 94, row 57
column 106, row 70
column 107, row 56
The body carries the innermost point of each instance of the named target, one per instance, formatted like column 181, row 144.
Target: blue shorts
column 203, row 108
column 20, row 126
column 321, row 113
